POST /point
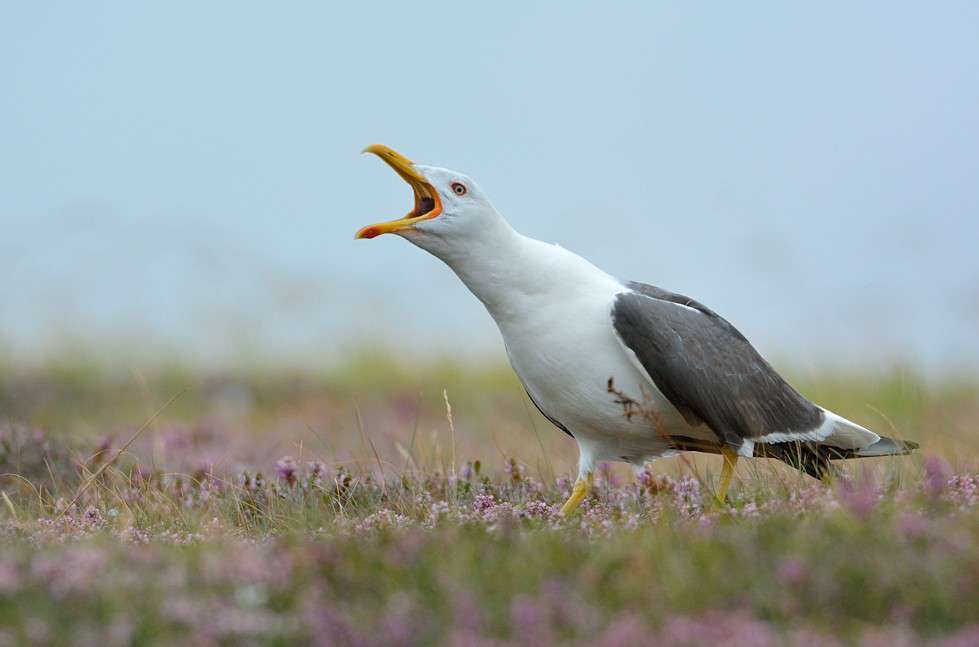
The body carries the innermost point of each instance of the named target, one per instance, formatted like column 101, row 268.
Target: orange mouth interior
column 427, row 202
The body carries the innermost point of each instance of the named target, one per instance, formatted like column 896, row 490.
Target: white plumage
column 559, row 318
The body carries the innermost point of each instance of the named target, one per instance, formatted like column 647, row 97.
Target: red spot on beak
column 370, row 232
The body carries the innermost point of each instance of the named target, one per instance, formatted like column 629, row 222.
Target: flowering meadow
column 390, row 505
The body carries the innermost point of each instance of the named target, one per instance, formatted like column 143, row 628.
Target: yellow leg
column 727, row 471
column 581, row 489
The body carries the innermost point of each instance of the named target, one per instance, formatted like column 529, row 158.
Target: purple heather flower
column 342, row 480
column 384, row 520
column 706, row 523
column 646, row 479
column 538, row 509
column 316, row 471
column 92, row 516
column 860, row 499
column 135, row 535
column 286, row 469
column 810, row 499
column 937, row 475
column 749, row 511
column 964, row 489
column 483, row 502
column 687, row 496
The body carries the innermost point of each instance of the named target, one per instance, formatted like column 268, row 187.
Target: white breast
column 564, row 349
column 554, row 311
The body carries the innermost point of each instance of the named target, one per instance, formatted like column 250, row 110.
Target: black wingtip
column 814, row 459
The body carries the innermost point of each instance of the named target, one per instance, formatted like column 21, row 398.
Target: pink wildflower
column 92, row 516
column 316, row 472
column 687, row 496
column 538, row 509
column 286, row 469
column 483, row 502
column 964, row 489
column 860, row 499
column 937, row 474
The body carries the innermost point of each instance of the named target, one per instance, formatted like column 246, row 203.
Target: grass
column 350, row 507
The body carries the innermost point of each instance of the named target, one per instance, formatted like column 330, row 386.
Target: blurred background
column 181, row 183
column 185, row 177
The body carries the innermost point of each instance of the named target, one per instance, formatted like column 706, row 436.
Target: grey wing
column 707, row 369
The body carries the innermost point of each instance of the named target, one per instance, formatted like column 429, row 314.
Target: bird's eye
column 459, row 188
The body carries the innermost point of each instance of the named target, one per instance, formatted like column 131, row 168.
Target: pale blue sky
column 186, row 174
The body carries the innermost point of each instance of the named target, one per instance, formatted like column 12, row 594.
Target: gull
column 631, row 371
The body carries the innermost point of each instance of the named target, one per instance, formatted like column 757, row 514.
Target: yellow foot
column 727, row 471
column 581, row 489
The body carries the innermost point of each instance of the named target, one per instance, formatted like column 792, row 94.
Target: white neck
column 510, row 272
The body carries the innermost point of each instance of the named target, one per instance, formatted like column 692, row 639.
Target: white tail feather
column 846, row 434
column 836, row 431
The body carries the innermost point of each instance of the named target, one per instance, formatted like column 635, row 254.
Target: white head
column 450, row 214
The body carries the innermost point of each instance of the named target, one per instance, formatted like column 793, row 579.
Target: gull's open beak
column 427, row 203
